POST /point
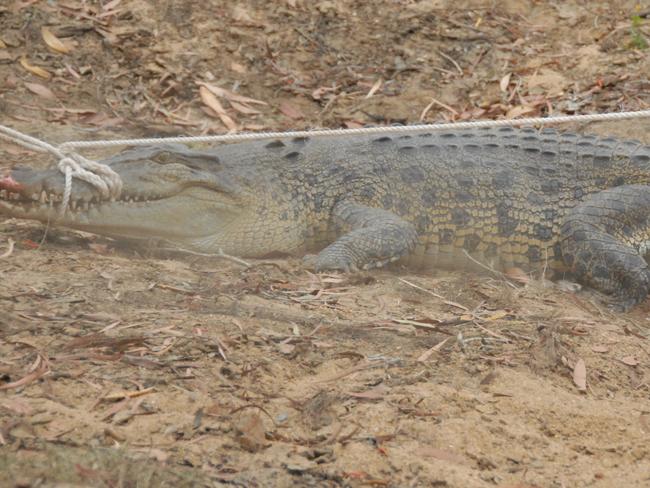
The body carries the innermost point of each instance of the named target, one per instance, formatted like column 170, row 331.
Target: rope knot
column 103, row 178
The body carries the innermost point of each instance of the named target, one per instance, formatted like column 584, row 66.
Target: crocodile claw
column 321, row 263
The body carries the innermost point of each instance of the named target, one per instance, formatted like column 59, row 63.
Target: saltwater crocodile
column 501, row 197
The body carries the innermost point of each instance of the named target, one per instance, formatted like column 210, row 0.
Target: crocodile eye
column 165, row 157
column 195, row 160
column 194, row 167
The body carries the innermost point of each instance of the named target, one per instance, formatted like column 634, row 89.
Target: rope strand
column 248, row 136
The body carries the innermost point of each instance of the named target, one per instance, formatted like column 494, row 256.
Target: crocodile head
column 186, row 198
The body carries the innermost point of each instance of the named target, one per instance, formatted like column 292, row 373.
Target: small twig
column 438, row 102
column 416, row 324
column 545, row 263
column 451, row 60
column 219, row 254
column 177, row 289
column 375, row 87
column 122, row 395
column 520, row 336
column 460, row 340
column 488, row 331
column 427, row 354
column 426, row 110
column 484, row 339
column 470, row 27
column 448, row 302
column 252, row 405
column 47, row 228
column 221, row 347
column 354, row 369
column 489, row 268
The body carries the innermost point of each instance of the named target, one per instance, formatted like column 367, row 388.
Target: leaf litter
column 269, row 374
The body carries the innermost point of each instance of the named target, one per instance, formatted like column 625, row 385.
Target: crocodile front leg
column 376, row 237
column 604, row 242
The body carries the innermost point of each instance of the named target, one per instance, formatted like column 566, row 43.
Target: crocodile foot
column 327, row 262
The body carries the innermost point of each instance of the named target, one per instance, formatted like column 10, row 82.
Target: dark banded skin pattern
column 501, row 197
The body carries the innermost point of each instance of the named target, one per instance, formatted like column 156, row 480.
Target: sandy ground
column 122, row 367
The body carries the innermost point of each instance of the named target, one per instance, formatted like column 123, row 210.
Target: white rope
column 109, row 183
column 72, row 165
column 247, row 136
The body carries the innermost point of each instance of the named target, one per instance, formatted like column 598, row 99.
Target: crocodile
column 498, row 197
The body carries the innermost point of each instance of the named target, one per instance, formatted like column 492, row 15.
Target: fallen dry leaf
column 35, row 70
column 427, row 354
column 212, row 102
column 518, row 111
column 40, row 90
column 33, row 376
column 353, row 124
column 320, row 92
column 229, row 95
column 600, row 349
column 375, row 87
column 518, row 275
column 54, row 42
column 499, row 314
column 505, row 81
column 250, row 431
column 238, row 68
column 111, row 5
column 580, row 375
column 441, row 455
column 286, row 348
column 10, row 249
column 244, row 109
column 290, row 111
column 630, row 361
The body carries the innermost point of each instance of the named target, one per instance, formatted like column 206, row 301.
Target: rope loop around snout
column 72, row 165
